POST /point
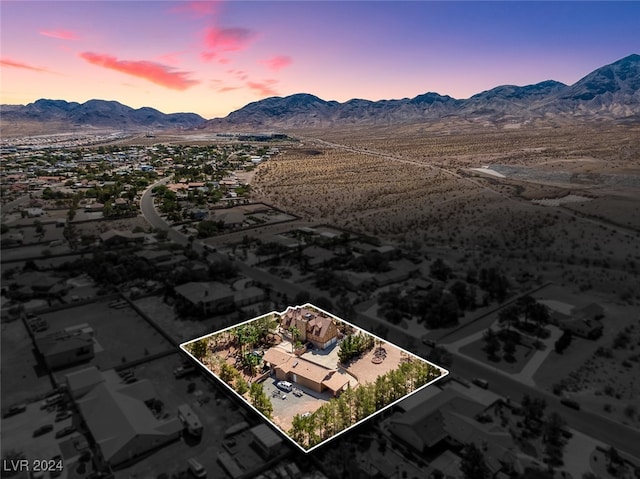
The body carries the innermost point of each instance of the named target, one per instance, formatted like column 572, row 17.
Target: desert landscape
column 420, row 189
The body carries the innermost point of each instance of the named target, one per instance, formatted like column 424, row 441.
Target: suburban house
column 116, row 414
column 401, row 270
column 115, row 237
column 231, row 220
column 317, row 256
column 582, row 321
column 246, row 453
column 94, row 207
column 35, row 284
column 446, row 422
column 208, row 297
column 250, row 295
column 313, row 326
column 289, row 367
column 65, row 348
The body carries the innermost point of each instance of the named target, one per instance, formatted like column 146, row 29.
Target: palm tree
column 295, row 336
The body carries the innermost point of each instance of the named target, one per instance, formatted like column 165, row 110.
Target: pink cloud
column 171, row 58
column 264, row 88
column 239, row 74
column 277, row 62
column 197, row 9
column 59, row 34
column 228, row 88
column 154, row 72
column 14, row 64
column 208, row 56
column 225, row 40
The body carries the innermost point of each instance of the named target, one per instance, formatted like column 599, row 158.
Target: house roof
column 318, row 255
column 266, row 436
column 115, row 415
column 84, row 378
column 306, row 369
column 318, row 326
column 230, row 218
column 252, row 292
column 451, row 415
column 336, row 381
column 204, row 292
column 36, row 280
column 590, row 311
column 560, row 307
column 276, row 356
column 62, row 341
column 125, row 235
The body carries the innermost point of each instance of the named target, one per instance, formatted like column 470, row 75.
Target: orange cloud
column 277, row 62
column 264, row 88
column 59, row 34
column 228, row 88
column 225, row 40
column 154, row 72
column 11, row 63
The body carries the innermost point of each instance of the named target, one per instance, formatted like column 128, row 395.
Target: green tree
column 491, row 344
column 460, row 291
column 613, row 460
column 563, row 342
column 260, row 400
column 473, row 465
column 198, row 349
column 554, row 439
column 509, row 348
column 440, row 270
column 508, row 316
column 533, row 413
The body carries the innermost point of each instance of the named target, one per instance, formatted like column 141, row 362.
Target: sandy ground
column 366, row 371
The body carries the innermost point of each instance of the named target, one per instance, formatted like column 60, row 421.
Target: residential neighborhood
column 161, row 318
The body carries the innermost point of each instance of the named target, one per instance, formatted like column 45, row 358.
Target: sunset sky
column 214, row 57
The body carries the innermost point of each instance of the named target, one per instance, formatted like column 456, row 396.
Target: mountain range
column 610, row 92
column 98, row 114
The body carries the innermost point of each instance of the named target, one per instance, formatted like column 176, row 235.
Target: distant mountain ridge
column 610, row 92
column 98, row 113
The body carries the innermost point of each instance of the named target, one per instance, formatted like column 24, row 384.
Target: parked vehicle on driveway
column 65, row 431
column 13, row 410
column 481, row 383
column 196, row 468
column 572, row 403
column 285, row 386
column 43, row 430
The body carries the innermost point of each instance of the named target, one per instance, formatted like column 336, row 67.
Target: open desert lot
column 413, row 185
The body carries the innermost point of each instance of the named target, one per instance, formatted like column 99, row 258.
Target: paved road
column 273, row 282
column 600, row 428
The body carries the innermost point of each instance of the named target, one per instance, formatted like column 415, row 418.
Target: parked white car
column 285, row 386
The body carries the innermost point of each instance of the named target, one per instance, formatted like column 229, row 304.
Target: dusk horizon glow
column 214, row 57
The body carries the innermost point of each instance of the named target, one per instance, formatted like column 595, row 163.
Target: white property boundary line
column 444, row 372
